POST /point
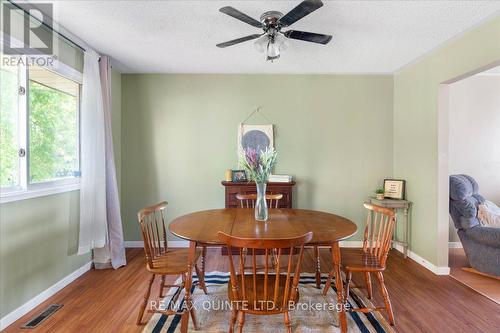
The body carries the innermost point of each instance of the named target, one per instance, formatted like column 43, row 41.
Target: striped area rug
column 314, row 313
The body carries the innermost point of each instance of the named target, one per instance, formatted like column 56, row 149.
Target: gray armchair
column 481, row 244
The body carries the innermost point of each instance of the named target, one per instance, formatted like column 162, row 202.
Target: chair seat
column 257, row 303
column 361, row 262
column 174, row 261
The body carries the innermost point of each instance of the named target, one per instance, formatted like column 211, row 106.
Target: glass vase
column 261, row 212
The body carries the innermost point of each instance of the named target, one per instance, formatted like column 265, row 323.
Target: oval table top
column 203, row 226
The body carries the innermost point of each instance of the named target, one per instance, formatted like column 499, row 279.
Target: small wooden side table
column 395, row 205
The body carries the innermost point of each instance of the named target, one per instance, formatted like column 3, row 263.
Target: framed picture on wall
column 258, row 137
column 394, row 188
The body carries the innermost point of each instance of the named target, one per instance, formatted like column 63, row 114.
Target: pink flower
column 252, row 157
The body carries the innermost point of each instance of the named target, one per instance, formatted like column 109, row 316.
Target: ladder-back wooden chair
column 160, row 260
column 248, row 200
column 378, row 234
column 268, row 292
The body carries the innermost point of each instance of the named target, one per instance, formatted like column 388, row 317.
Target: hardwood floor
column 108, row 300
column 487, row 286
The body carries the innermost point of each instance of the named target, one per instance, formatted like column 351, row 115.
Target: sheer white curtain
column 93, row 217
column 113, row 254
column 100, row 219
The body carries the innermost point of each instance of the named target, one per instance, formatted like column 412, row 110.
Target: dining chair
column 160, row 260
column 373, row 258
column 248, row 200
column 267, row 293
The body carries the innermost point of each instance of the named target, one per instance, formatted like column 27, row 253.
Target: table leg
column 189, row 282
column 340, row 287
column 395, row 234
column 406, row 232
column 318, row 267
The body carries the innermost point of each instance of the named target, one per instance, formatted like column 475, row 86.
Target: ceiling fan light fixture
column 261, row 44
column 281, row 41
column 273, row 40
column 273, row 50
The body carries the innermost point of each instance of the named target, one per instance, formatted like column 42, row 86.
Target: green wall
column 39, row 237
column 179, row 134
column 38, row 245
column 416, row 128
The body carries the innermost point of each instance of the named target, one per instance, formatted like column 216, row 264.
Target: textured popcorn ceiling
column 180, row 36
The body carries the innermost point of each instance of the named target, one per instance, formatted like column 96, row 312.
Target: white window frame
column 25, row 190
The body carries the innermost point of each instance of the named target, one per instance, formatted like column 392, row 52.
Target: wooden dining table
column 201, row 229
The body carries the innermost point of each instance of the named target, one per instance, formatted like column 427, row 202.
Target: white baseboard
column 455, row 245
column 351, row 243
column 438, row 270
column 140, row 244
column 42, row 297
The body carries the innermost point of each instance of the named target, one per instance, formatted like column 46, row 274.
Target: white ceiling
column 180, row 36
column 494, row 71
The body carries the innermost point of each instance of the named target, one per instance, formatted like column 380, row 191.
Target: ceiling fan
column 273, row 38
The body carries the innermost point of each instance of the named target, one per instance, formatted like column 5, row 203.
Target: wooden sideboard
column 233, row 188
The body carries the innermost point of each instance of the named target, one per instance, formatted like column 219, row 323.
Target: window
column 9, row 129
column 39, row 132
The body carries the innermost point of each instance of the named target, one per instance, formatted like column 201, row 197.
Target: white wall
column 474, row 142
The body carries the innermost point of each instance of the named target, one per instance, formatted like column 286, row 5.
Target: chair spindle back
column 248, row 200
column 154, row 233
column 267, row 293
column 379, row 230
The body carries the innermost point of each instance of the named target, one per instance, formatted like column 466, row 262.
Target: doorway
column 469, row 132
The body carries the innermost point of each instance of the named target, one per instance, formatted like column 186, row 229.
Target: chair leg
column 184, row 321
column 162, row 286
column 328, row 283
column 241, row 321
column 145, row 302
column 347, row 283
column 201, row 279
column 234, row 313
column 368, row 281
column 318, row 267
column 387, row 301
column 193, row 317
column 189, row 304
column 288, row 323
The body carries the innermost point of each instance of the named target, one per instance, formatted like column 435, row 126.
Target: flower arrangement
column 258, row 164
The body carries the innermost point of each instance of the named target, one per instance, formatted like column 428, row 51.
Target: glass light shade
column 261, row 43
column 273, row 51
column 281, row 41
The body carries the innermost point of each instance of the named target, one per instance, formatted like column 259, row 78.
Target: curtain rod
column 48, row 26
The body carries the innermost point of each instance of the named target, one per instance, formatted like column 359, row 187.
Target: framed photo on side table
column 238, row 176
column 394, row 188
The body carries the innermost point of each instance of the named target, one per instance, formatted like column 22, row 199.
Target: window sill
column 38, row 192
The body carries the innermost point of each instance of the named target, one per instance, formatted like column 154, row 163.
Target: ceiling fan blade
column 308, row 36
column 240, row 16
column 239, row 40
column 304, row 8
